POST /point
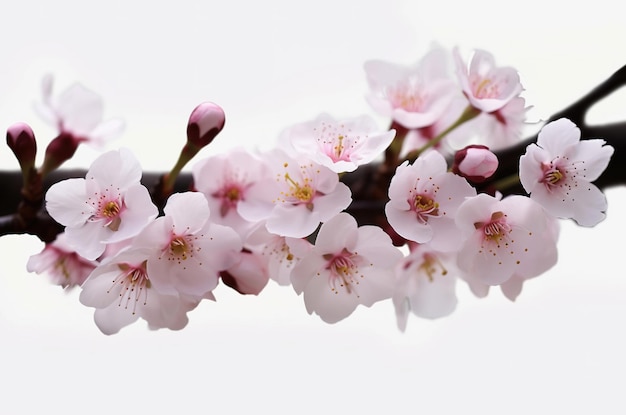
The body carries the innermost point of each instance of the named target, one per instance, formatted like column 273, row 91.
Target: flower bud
column 475, row 162
column 205, row 122
column 59, row 150
column 21, row 140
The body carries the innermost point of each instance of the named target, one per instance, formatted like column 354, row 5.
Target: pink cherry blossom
column 62, row 264
column 512, row 287
column 425, row 284
column 557, row 172
column 301, row 195
column 503, row 238
column 423, row 199
column 348, row 266
column 121, row 291
column 107, row 206
column 187, row 250
column 340, row 145
column 280, row 253
column 225, row 180
column 487, row 86
column 78, row 112
column 415, row 96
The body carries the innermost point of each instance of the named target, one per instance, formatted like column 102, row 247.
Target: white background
column 559, row 349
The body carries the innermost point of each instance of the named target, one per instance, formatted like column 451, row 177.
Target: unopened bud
column 59, row 150
column 205, row 122
column 475, row 162
column 21, row 140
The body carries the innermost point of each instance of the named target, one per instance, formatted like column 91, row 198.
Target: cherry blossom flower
column 487, row 86
column 512, row 287
column 107, row 206
column 340, row 145
column 281, row 254
column 187, row 250
column 78, row 112
column 301, row 195
column 503, row 238
column 423, row 199
column 62, row 264
column 225, row 180
column 415, row 96
column 348, row 266
column 121, row 291
column 558, row 170
column 425, row 284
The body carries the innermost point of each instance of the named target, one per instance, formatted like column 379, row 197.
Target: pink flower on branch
column 226, row 181
column 78, row 112
column 423, row 199
column 301, row 195
column 503, row 238
column 109, row 205
column 340, row 145
column 186, row 249
column 62, row 264
column 121, row 291
column 425, row 284
column 557, row 172
column 415, row 96
column 487, row 86
column 348, row 266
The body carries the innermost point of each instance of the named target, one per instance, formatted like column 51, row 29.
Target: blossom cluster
column 285, row 214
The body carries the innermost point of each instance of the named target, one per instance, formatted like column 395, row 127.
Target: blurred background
column 558, row 348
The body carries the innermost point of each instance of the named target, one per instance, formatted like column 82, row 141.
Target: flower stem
column 469, row 113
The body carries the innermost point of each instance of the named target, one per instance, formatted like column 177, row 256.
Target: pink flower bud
column 205, row 122
column 475, row 162
column 59, row 150
column 21, row 140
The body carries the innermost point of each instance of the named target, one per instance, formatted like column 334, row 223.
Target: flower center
column 230, row 196
column 134, row 284
column 496, row 229
column 432, row 266
column 179, row 247
column 406, row 97
column 343, row 271
column 486, row 89
column 300, row 193
column 425, row 207
column 552, row 175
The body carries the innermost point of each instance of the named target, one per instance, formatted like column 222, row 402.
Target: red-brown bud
column 21, row 140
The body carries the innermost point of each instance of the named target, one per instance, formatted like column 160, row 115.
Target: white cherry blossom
column 301, row 195
column 503, row 238
column 348, row 266
column 557, row 172
column 340, row 145
column 187, row 250
column 121, row 291
column 423, row 199
column 61, row 263
column 414, row 96
column 425, row 284
column 78, row 112
column 109, row 205
column 487, row 86
column 225, row 180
